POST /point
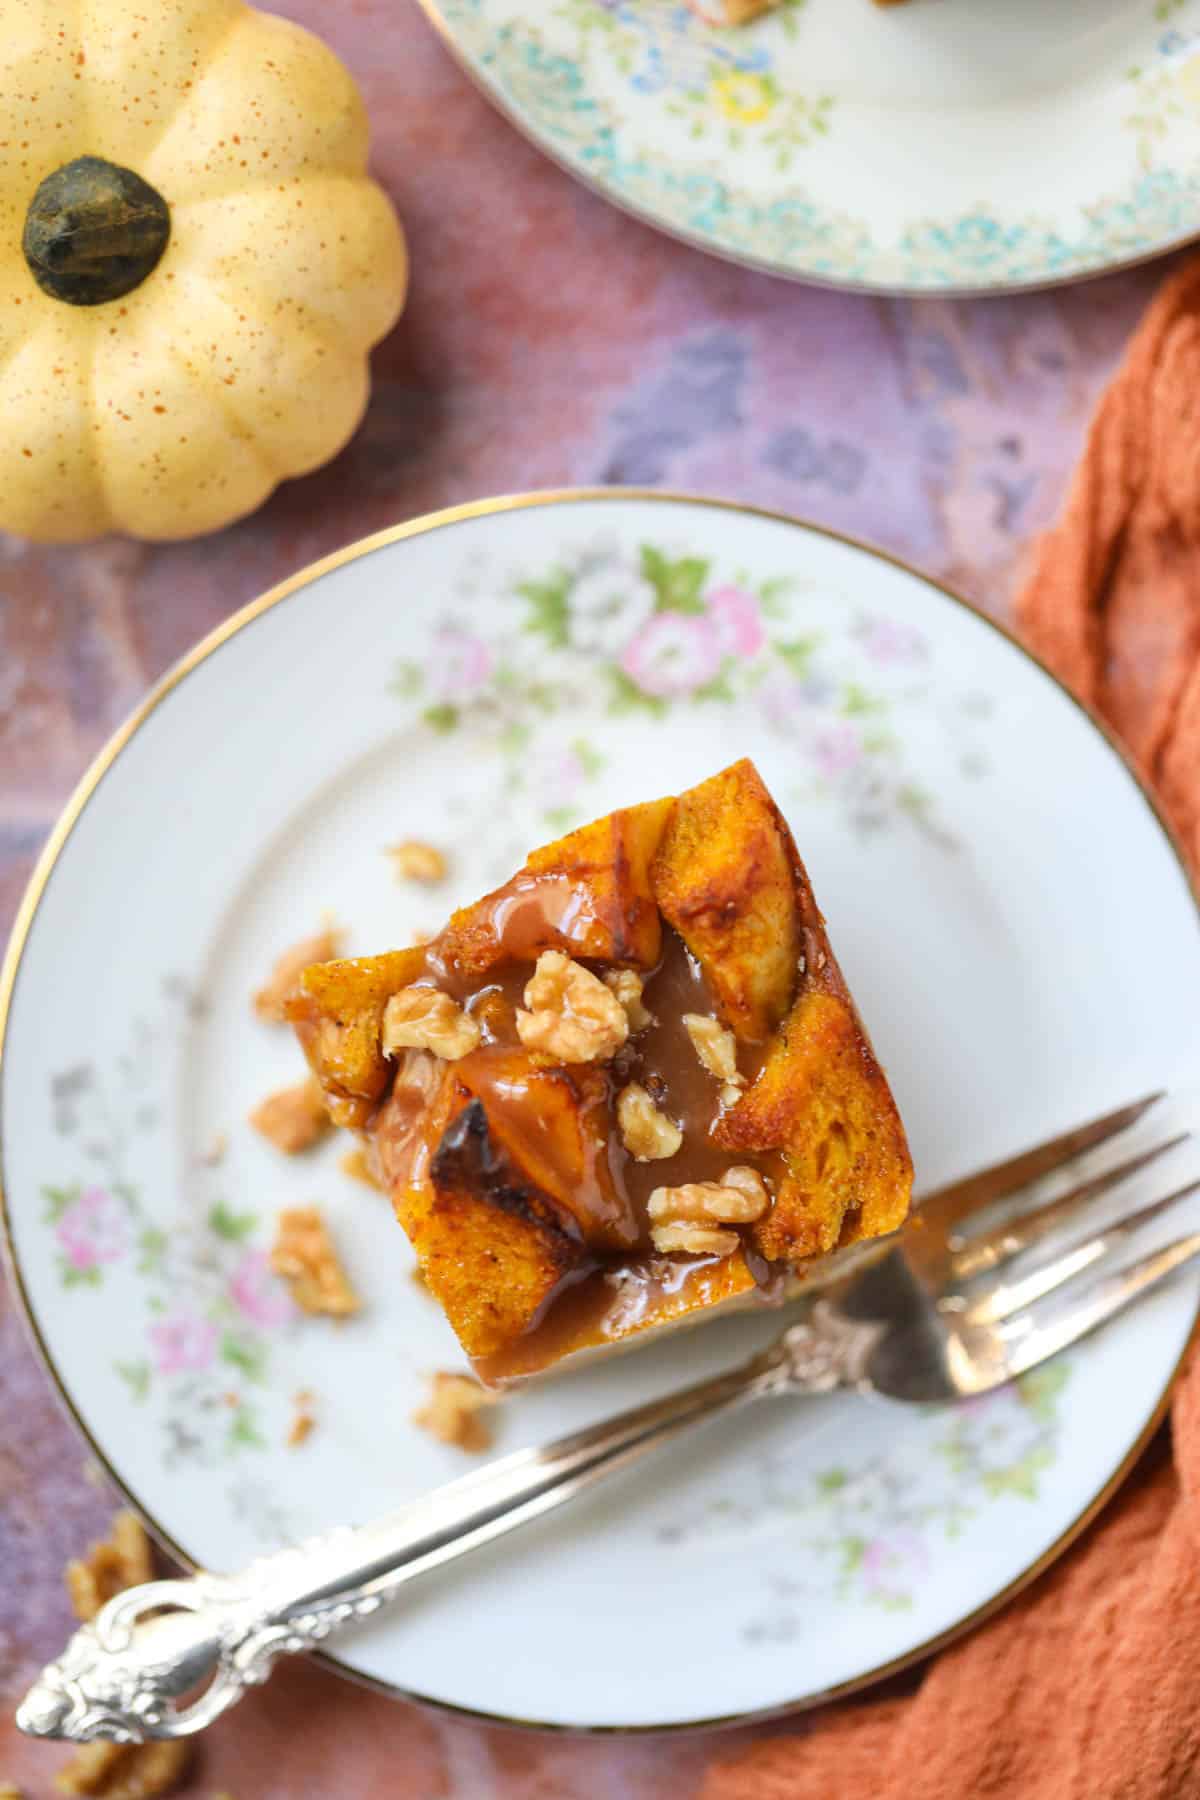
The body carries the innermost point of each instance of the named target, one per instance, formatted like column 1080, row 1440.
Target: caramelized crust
column 822, row 1099
column 724, row 878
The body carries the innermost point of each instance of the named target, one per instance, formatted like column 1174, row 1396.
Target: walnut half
column 572, row 1015
column 423, row 1018
column 690, row 1218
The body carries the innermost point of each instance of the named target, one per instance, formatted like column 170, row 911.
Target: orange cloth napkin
column 1088, row 1686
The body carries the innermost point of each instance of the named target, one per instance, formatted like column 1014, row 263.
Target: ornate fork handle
column 134, row 1672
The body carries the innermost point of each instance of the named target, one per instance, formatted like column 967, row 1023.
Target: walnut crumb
column 294, row 1118
column 215, row 1153
column 304, row 1417
column 269, row 1000
column 647, row 1133
column 417, row 861
column 124, row 1559
column 627, row 985
column 10, row 1791
column 356, row 1164
column 572, row 1014
column 126, row 1771
column 423, row 1018
column 451, row 1412
column 716, row 1047
column 691, row 1218
column 303, row 1254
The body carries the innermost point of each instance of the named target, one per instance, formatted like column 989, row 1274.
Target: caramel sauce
column 616, row 1303
column 573, row 1152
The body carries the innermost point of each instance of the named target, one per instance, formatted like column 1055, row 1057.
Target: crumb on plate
column 303, row 1417
column 122, row 1560
column 126, row 1771
column 293, row 1118
column 320, row 947
column 414, row 860
column 451, row 1412
column 303, row 1254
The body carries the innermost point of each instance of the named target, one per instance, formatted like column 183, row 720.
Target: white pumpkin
column 193, row 263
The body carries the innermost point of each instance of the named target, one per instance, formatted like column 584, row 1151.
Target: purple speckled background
column 548, row 340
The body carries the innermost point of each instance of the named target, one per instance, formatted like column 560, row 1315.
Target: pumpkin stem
column 94, row 231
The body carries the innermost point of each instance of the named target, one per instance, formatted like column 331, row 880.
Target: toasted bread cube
column 822, row 1099
column 338, row 1016
column 493, row 1251
column 726, row 878
column 589, row 894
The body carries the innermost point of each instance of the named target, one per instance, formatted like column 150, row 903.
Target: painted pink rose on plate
column 672, row 655
column 257, row 1293
column 836, row 749
column 885, row 1557
column 459, row 664
column 737, row 620
column 886, row 641
column 93, row 1230
column 182, row 1343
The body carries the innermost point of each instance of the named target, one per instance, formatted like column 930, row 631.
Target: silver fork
column 941, row 1312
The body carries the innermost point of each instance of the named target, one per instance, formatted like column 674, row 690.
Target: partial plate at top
column 944, row 146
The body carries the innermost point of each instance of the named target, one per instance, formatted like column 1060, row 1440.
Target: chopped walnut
column 303, row 1254
column 417, row 861
column 573, row 1015
column 689, row 1218
column 423, row 1018
column 627, row 985
column 268, row 1002
column 294, row 1118
column 10, row 1791
column 303, row 1417
column 357, row 1165
column 715, row 1046
column 123, row 1560
column 451, row 1413
column 126, row 1771
column 647, row 1133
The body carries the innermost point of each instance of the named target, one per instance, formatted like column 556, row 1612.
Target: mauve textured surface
column 548, row 340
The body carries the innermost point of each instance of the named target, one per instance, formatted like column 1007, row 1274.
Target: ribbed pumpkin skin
column 241, row 359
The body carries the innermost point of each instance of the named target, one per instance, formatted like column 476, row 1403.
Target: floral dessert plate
column 1009, row 912
column 948, row 146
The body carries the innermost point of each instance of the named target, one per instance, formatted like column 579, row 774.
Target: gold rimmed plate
column 482, row 679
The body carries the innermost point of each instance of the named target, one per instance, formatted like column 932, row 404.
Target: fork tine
column 1003, row 1301
column 1026, row 1344
column 938, row 1213
column 981, row 1255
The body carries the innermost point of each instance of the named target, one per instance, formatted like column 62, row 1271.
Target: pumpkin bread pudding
column 625, row 1089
